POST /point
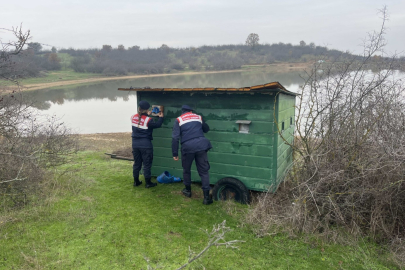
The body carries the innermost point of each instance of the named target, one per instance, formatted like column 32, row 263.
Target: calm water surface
column 101, row 108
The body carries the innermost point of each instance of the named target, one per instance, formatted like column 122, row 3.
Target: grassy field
column 60, row 75
column 90, row 217
column 55, row 76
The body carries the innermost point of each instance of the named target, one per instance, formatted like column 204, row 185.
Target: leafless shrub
column 215, row 238
column 398, row 248
column 350, row 150
column 9, row 49
column 29, row 142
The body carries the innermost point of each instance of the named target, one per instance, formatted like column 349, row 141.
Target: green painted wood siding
column 247, row 157
column 286, row 114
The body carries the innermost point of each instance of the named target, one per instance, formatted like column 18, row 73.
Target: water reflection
column 100, row 108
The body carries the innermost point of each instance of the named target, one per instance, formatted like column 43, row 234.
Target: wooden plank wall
column 286, row 114
column 247, row 157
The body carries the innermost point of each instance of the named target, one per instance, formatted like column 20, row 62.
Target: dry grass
column 106, row 142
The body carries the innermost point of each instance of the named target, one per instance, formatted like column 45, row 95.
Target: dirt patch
column 124, row 152
column 107, row 142
column 196, row 193
column 176, row 234
column 170, row 235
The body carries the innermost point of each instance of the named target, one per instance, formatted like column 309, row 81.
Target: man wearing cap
column 142, row 148
column 190, row 129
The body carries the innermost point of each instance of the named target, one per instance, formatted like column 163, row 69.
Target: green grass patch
column 93, row 218
column 60, row 75
column 54, row 76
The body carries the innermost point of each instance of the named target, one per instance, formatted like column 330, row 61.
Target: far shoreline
column 277, row 68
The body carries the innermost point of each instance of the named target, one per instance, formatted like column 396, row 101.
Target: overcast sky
column 340, row 24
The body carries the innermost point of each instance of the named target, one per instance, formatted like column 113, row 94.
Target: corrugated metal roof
column 268, row 87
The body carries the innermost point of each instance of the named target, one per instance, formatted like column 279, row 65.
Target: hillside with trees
column 33, row 61
column 133, row 60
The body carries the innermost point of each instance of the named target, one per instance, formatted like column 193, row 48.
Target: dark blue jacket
column 142, row 130
column 190, row 129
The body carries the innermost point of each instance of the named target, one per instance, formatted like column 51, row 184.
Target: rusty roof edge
column 274, row 87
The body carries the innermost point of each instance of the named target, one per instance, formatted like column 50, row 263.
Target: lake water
column 101, row 108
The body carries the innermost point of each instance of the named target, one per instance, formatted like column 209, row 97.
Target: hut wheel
column 229, row 188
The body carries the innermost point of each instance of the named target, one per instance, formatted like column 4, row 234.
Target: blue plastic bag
column 166, row 178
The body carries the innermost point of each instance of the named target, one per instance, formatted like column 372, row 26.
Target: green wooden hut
column 248, row 153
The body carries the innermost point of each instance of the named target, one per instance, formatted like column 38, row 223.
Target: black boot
column 149, row 183
column 137, row 182
column 207, row 197
column 187, row 191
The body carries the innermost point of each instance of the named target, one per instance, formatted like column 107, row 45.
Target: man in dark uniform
column 142, row 148
column 190, row 128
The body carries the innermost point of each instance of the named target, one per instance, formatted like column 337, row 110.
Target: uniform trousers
column 142, row 156
column 203, row 166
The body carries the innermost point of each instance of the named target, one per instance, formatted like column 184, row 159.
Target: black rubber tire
column 231, row 188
